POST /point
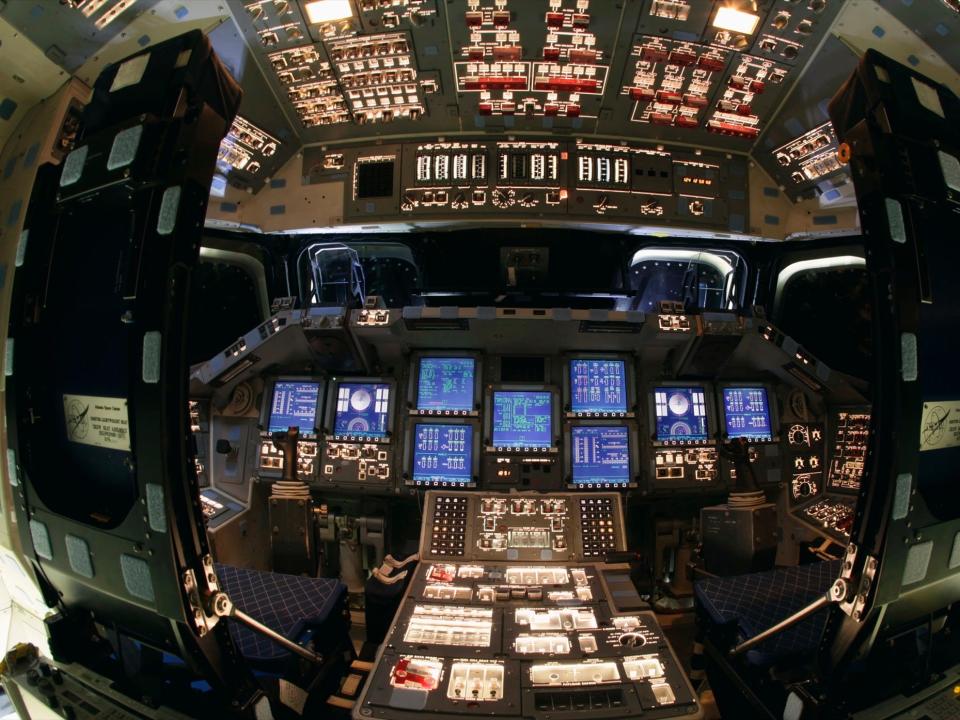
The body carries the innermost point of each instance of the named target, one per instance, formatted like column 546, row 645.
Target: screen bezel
column 408, row 449
column 771, row 407
column 413, row 384
column 631, row 389
column 266, row 403
column 831, row 427
column 555, row 428
column 333, row 389
column 633, row 446
column 708, row 399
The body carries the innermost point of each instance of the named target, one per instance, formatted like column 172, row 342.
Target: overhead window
column 824, row 304
column 705, row 279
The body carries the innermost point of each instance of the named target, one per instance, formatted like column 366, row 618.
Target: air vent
column 436, row 325
column 604, row 326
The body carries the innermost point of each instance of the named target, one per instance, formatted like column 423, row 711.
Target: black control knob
column 632, row 639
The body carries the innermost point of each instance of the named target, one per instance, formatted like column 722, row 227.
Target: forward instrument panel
column 512, row 612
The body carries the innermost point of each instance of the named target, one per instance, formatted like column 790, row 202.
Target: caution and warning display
column 940, row 425
column 99, row 421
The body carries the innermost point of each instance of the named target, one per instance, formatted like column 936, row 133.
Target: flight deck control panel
column 602, row 416
column 513, row 612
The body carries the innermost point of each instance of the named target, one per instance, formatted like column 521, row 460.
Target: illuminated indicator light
column 580, row 20
column 507, row 52
column 564, row 155
column 563, row 194
column 712, row 64
column 642, row 94
column 583, row 56
column 495, row 83
column 734, row 20
column 683, row 57
column 654, row 55
column 325, row 11
column 568, row 84
column 738, row 82
column 725, row 128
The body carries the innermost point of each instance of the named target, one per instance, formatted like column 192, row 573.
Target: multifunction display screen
column 442, row 453
column 522, row 418
column 294, row 403
column 746, row 413
column 600, row 455
column 681, row 414
column 363, row 409
column 446, row 384
column 598, row 386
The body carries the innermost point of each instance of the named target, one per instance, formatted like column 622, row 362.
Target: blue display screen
column 522, row 418
column 681, row 414
column 600, row 455
column 598, row 386
column 294, row 403
column 443, row 453
column 446, row 383
column 746, row 413
column 362, row 410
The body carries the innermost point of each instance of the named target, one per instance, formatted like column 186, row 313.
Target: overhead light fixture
column 320, row 12
column 735, row 20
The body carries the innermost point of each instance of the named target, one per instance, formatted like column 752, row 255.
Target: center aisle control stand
column 513, row 612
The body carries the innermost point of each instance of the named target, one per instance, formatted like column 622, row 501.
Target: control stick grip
column 287, row 443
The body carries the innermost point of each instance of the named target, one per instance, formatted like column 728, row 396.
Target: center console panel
column 510, row 613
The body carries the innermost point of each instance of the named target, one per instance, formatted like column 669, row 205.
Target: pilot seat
column 731, row 610
column 309, row 611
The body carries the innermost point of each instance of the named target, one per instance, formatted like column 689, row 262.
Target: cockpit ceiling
column 726, row 83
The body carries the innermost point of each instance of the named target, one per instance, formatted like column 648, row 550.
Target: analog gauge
column 799, row 436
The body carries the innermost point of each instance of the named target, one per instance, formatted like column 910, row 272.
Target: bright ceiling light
column 738, row 21
column 325, row 11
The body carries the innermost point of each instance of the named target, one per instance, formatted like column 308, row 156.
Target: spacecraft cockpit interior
column 441, row 359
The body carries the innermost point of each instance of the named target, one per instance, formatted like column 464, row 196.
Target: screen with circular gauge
column 522, row 418
column 362, row 410
column 746, row 413
column 681, row 414
column 442, row 453
column 446, row 383
column 598, row 386
column 600, row 455
column 294, row 403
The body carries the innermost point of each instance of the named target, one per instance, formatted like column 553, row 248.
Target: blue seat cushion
column 287, row 604
column 758, row 601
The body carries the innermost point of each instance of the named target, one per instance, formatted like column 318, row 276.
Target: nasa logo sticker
column 99, row 421
column 940, row 425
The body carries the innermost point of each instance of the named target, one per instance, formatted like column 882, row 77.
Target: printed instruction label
column 940, row 425
column 99, row 421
